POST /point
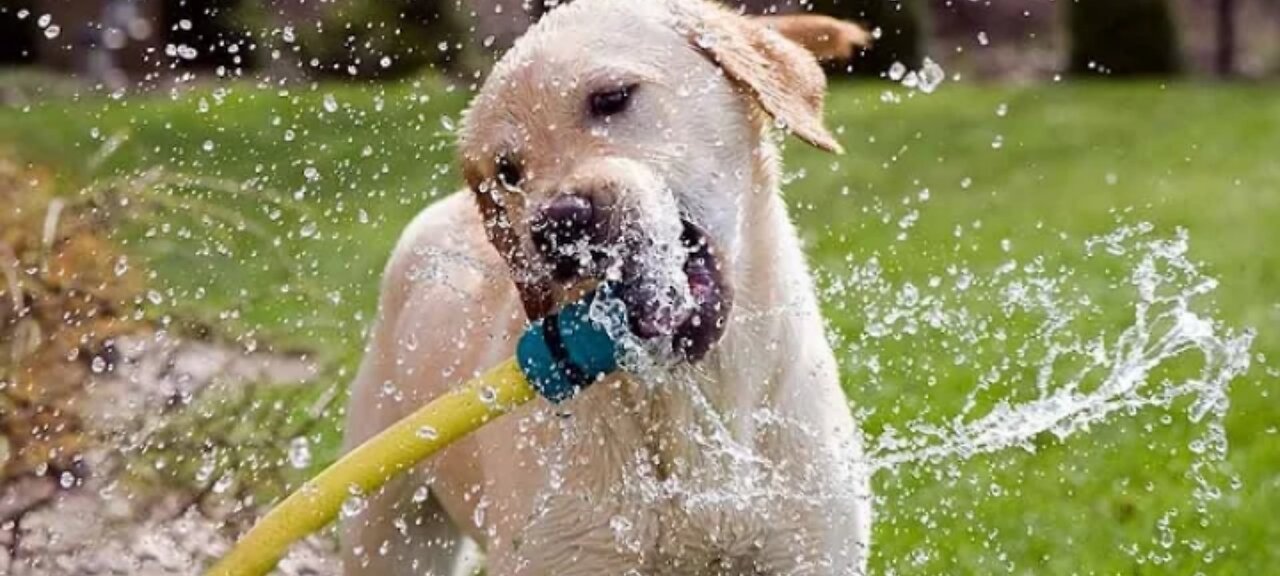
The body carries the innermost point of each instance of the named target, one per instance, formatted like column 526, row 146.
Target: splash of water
column 1167, row 355
column 1165, row 328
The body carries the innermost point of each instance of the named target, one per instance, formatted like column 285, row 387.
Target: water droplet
column 299, row 453
column 477, row 517
column 428, row 433
column 98, row 365
column 931, row 76
column 52, row 31
column 207, row 146
column 982, row 39
column 207, row 467
column 896, row 71
column 911, row 80
column 223, row 484
column 353, row 505
column 330, row 103
column 44, row 20
column 67, row 480
column 385, row 62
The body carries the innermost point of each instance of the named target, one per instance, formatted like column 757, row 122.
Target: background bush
column 1122, row 37
column 901, row 35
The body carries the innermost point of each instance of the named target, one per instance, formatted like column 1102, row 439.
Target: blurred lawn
column 304, row 191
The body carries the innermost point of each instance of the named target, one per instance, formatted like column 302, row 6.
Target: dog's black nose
column 562, row 231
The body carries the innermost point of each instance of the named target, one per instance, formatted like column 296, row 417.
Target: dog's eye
column 509, row 174
column 606, row 103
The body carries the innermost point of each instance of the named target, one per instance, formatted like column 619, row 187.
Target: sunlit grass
column 274, row 213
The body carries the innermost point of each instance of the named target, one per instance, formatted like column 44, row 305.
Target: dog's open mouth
column 673, row 292
column 693, row 317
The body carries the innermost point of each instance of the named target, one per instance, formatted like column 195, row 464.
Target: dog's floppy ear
column 782, row 76
column 825, row 37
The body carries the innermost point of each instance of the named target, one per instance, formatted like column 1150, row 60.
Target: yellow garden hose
column 375, row 462
column 556, row 357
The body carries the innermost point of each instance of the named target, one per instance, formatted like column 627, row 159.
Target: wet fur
column 628, row 476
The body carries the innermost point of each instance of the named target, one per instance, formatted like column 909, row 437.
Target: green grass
column 293, row 262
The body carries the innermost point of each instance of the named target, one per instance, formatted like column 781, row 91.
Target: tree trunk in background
column 1226, row 53
column 389, row 39
column 17, row 37
column 898, row 27
column 210, row 28
column 1122, row 38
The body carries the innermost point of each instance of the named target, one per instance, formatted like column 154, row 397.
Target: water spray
column 563, row 353
column 556, row 358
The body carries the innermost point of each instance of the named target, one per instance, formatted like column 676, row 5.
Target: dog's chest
column 661, row 493
column 657, row 527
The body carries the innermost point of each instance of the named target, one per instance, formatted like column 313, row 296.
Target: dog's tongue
column 654, row 287
column 683, row 301
column 655, row 308
column 695, row 336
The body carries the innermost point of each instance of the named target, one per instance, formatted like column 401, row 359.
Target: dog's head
column 618, row 139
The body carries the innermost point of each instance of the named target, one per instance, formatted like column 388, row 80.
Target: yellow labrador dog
column 628, row 140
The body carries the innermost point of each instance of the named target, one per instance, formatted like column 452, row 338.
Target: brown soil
column 85, row 380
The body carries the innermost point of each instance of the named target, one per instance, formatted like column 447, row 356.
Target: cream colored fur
column 745, row 463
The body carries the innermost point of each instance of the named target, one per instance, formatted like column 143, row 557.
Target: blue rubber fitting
column 566, row 352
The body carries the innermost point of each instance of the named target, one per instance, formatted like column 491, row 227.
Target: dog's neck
column 689, row 421
column 774, row 310
column 774, row 296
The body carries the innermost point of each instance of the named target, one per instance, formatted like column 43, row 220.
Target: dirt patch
column 87, row 385
column 104, row 521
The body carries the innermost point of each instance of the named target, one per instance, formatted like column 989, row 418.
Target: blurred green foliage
column 324, row 178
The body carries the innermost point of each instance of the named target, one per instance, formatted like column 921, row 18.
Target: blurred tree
column 898, row 27
column 1226, row 50
column 390, row 38
column 17, row 34
column 208, row 29
column 1122, row 37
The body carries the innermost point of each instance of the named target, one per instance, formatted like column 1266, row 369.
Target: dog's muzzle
column 579, row 240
